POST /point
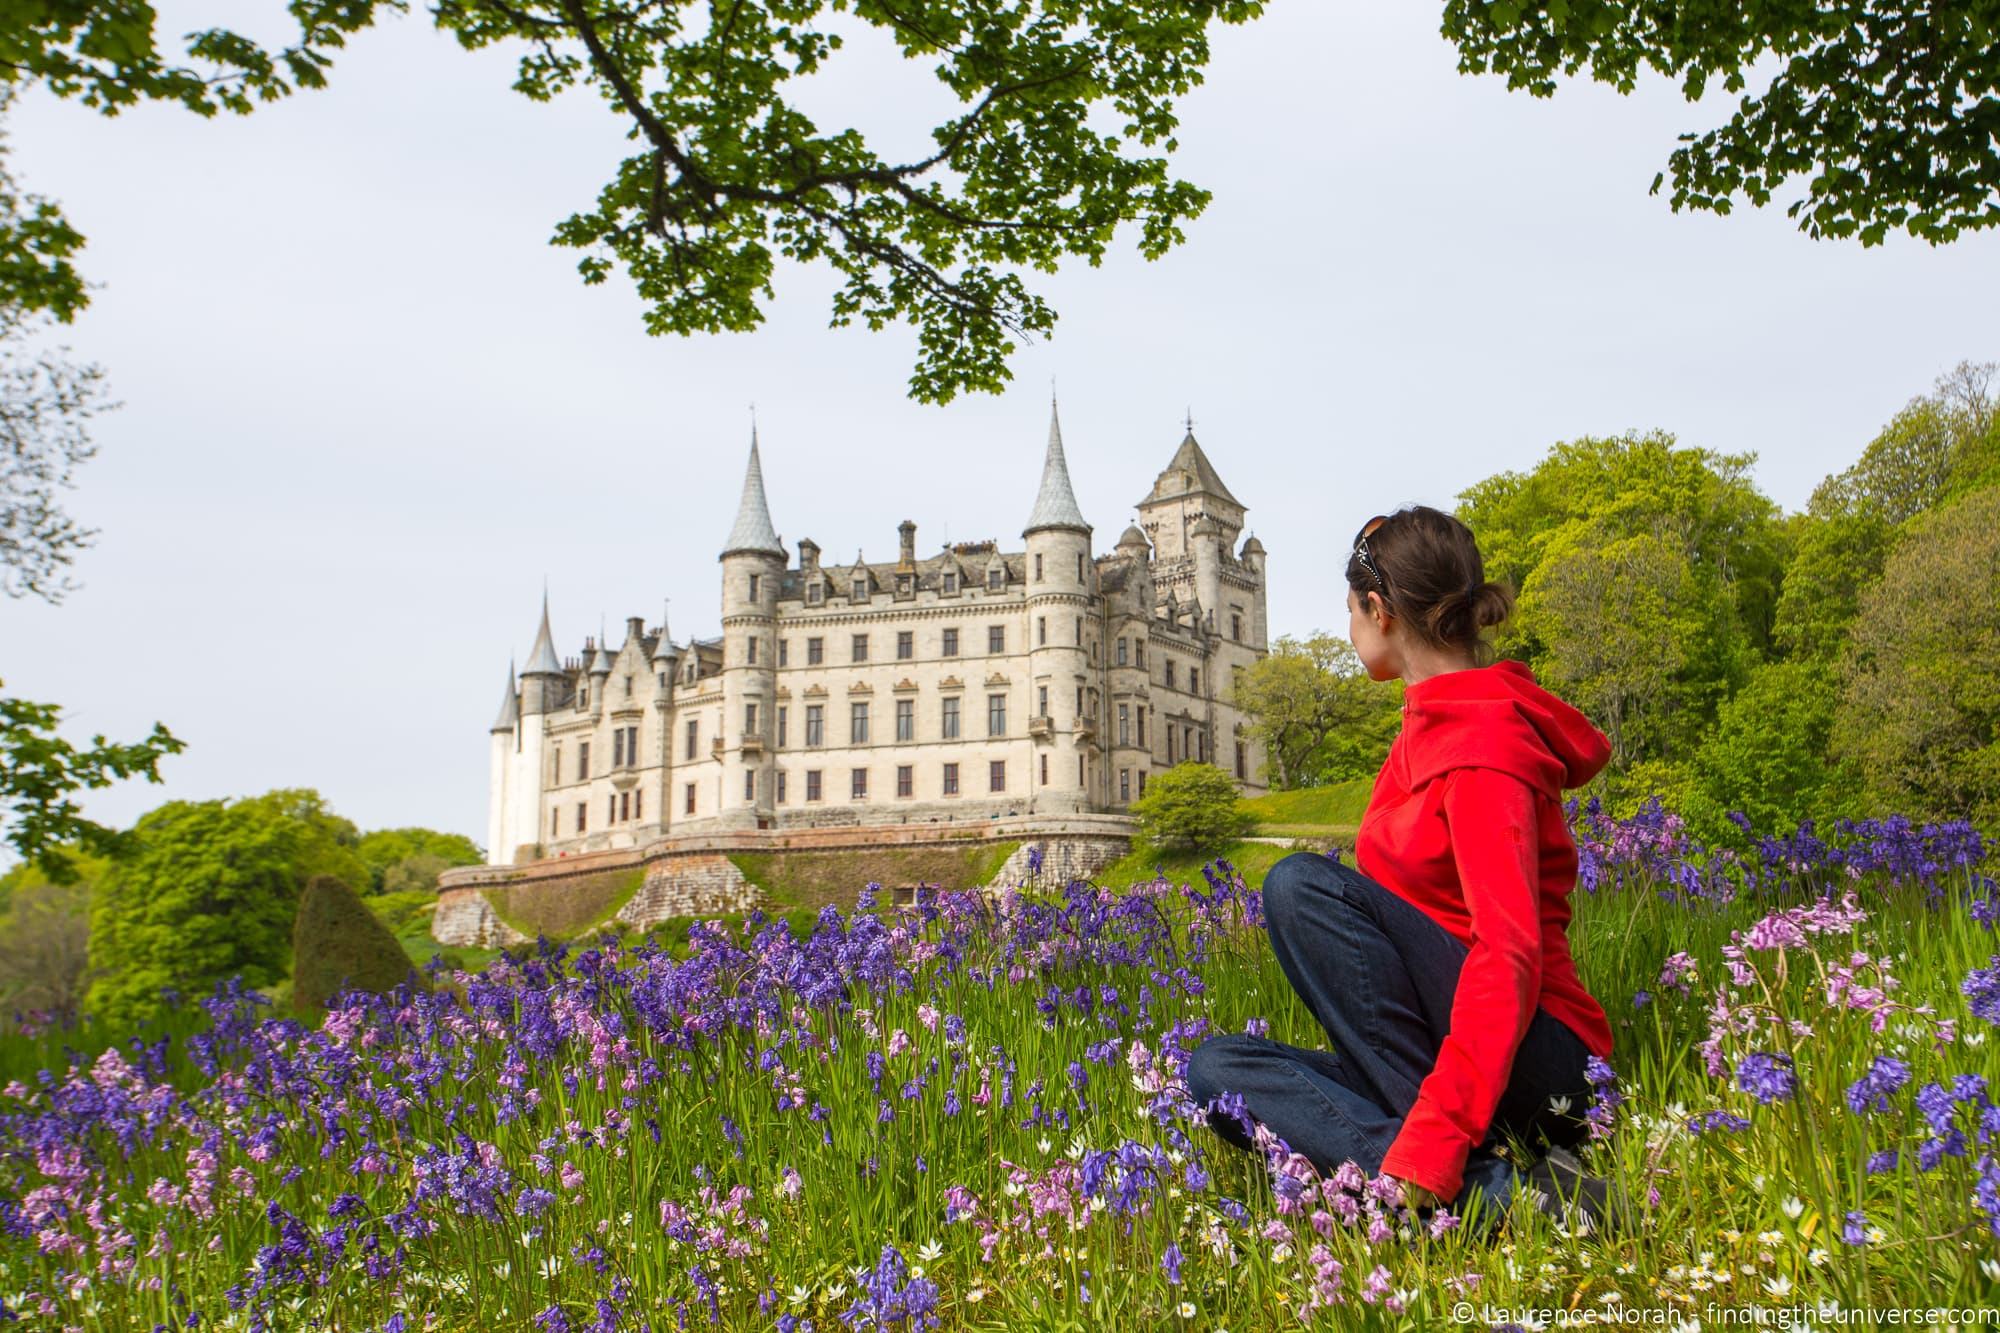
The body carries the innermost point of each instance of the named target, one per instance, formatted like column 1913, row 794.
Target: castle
column 963, row 685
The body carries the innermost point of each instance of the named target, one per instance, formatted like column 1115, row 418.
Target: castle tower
column 505, row 737
column 666, row 665
column 753, row 562
column 1187, row 489
column 1061, row 626
column 541, row 689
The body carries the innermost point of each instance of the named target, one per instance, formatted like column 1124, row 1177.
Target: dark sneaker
column 1558, row 1183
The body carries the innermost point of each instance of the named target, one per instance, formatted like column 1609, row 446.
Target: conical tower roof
column 510, row 704
column 1189, row 472
column 664, row 649
column 1055, row 502
column 753, row 530
column 542, row 659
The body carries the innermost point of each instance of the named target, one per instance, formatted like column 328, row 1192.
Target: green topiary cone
column 337, row 944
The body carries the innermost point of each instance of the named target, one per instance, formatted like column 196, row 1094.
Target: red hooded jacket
column 1465, row 822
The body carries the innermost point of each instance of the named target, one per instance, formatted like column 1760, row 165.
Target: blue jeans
column 1379, row 976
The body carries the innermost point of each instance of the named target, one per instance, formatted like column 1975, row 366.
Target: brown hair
column 1436, row 580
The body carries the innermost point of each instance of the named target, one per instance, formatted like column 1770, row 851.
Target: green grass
column 408, row 917
column 1338, row 806
column 811, row 880
column 1252, row 859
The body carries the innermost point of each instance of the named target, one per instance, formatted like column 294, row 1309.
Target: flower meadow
column 971, row 1113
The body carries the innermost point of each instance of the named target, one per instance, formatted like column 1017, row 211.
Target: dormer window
column 902, row 585
column 861, row 589
column 950, row 582
column 583, row 697
column 812, row 592
column 995, row 577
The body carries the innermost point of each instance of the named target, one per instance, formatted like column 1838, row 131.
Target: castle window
column 638, row 802
column 611, row 809
column 1142, row 726
column 861, row 589
column 950, row 646
column 815, row 650
column 996, row 638
column 624, row 805
column 858, row 784
column 812, row 784
column 1170, row 673
column 749, row 719
column 749, row 784
column 583, row 761
column 857, row 723
column 950, row 584
column 555, row 769
column 1138, row 652
column 1079, row 567
column 781, row 726
column 580, row 808
column 1236, row 627
column 687, row 800
column 1124, row 724
column 812, row 593
column 1038, row 566
column 1121, row 652
column 618, row 747
column 950, row 780
column 815, row 726
column 781, row 786
column 995, row 577
column 996, row 775
column 784, row 652
column 1093, row 652
column 753, row 587
column 906, row 780
column 1079, row 701
column 693, row 729
column 906, row 719
column 860, row 648
column 663, row 680
column 906, row 645
column 583, row 698
column 1041, row 701
column 1041, row 629
column 996, row 715
column 1142, row 782
column 631, row 747
column 1242, row 761
column 752, row 644
column 628, row 685
column 555, row 823
column 1045, row 768
column 1079, row 771
column 1170, row 746
column 1079, row 631
column 1194, row 681
column 949, row 727
column 902, row 585
column 1124, row 786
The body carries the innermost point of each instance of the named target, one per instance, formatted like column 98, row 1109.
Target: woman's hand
column 1415, row 1196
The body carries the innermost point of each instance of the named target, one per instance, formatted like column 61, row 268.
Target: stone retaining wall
column 692, row 875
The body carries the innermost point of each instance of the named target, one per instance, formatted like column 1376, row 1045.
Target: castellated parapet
column 971, row 684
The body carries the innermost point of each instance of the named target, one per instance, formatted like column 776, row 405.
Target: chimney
column 907, row 556
column 808, row 553
column 635, row 627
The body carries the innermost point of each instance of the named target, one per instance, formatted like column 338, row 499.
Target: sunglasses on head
column 1367, row 557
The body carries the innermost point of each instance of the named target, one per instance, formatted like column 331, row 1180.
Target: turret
column 1252, row 558
column 500, row 765
column 1205, row 544
column 541, row 684
column 539, row 678
column 1060, row 629
column 753, row 564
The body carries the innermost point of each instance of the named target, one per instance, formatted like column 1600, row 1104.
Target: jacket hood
column 1498, row 717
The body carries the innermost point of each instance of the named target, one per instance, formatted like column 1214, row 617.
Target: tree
column 44, row 940
column 404, row 858
column 1919, row 709
column 1191, row 805
column 1066, row 112
column 1769, row 755
column 1319, row 716
column 1648, row 577
column 209, row 891
column 40, row 774
column 1885, row 106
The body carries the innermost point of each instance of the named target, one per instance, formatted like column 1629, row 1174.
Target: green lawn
column 1252, row 859
column 1337, row 806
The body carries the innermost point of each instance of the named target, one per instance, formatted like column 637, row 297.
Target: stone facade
column 955, row 688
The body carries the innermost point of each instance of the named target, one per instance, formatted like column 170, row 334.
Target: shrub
column 1192, row 805
column 338, row 944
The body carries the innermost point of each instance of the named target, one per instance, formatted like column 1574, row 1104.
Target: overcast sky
column 368, row 409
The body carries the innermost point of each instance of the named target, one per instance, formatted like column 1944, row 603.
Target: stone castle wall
column 693, row 875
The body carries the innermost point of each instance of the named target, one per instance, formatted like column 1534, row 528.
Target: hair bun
column 1491, row 604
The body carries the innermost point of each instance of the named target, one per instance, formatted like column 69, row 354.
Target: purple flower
column 552, row 1320
column 1871, row 1091
column 1854, row 1230
column 1766, row 1076
column 1982, row 988
column 1170, row 1263
column 1881, row 1161
column 1717, row 1120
